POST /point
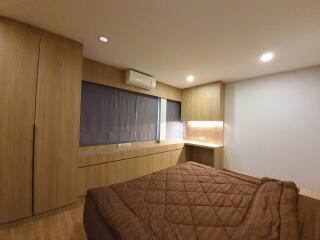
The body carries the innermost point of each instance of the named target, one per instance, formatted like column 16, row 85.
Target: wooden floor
column 66, row 225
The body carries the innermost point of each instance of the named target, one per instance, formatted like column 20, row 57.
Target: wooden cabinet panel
column 123, row 170
column 103, row 154
column 180, row 156
column 135, row 167
column 212, row 103
column 90, row 177
column 218, row 157
column 197, row 106
column 193, row 103
column 19, row 50
column 185, row 101
column 162, row 161
column 57, row 122
column 203, row 103
column 126, row 169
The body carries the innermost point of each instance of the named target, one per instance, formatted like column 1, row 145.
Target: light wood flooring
column 62, row 225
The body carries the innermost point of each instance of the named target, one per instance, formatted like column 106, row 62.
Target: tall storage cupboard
column 57, row 122
column 40, row 79
column 19, row 50
column 203, row 103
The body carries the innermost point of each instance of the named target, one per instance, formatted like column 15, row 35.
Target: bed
column 194, row 201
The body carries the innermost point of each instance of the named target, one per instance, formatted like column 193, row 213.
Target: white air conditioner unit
column 140, row 80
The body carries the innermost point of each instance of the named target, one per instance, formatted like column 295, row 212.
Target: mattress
column 193, row 201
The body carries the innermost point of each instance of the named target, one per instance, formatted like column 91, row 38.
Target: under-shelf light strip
column 205, row 123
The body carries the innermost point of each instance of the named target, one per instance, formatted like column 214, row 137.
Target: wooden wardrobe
column 40, row 82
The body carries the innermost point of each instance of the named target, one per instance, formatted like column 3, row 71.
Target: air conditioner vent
column 140, row 80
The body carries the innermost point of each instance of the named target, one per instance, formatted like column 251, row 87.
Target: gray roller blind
column 110, row 115
column 174, row 126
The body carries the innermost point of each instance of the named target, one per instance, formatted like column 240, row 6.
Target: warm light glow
column 190, row 78
column 103, row 39
column 266, row 57
column 205, row 123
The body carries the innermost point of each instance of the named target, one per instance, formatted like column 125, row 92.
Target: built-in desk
column 206, row 153
column 202, row 144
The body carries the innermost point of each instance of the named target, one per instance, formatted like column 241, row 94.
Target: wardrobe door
column 57, row 122
column 19, row 48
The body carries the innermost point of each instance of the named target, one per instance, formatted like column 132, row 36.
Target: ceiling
column 170, row 39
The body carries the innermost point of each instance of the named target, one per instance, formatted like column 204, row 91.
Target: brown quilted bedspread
column 193, row 201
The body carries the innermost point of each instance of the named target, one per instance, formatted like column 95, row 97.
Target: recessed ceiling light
column 190, row 78
column 103, row 39
column 266, row 57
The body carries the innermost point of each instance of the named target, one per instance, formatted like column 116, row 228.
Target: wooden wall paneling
column 218, row 158
column 110, row 76
column 90, row 177
column 19, row 50
column 57, row 122
column 211, row 134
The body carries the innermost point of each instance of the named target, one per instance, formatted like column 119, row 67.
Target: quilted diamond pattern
column 189, row 201
column 192, row 195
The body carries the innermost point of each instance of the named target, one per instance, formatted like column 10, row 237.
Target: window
column 110, row 115
column 174, row 126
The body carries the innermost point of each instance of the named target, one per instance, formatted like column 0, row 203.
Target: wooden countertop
column 108, row 153
column 310, row 193
column 102, row 149
column 202, row 144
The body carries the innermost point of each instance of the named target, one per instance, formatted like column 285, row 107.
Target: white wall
column 272, row 127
